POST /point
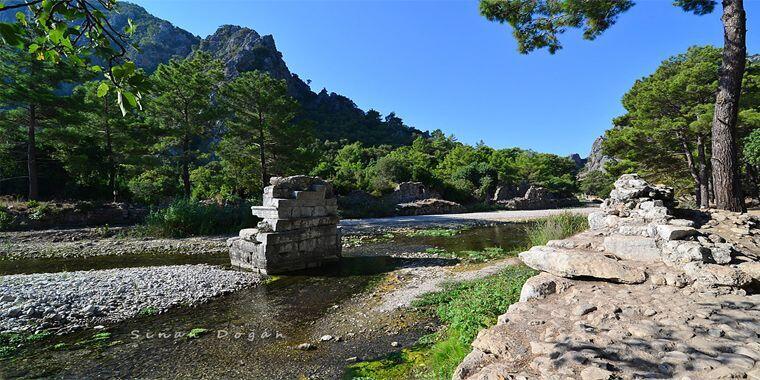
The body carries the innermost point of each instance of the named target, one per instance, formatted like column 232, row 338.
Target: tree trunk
column 695, row 174
column 725, row 165
column 31, row 153
column 186, row 166
column 109, row 150
column 264, row 176
column 704, row 174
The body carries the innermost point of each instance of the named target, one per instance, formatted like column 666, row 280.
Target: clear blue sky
column 439, row 64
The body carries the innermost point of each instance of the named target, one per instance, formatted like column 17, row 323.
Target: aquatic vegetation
column 196, row 333
column 435, row 232
column 147, row 311
column 464, row 309
column 556, row 227
column 10, row 343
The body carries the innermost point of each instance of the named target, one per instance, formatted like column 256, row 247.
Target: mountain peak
column 242, row 49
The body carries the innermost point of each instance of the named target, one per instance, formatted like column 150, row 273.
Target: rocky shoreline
column 64, row 302
column 643, row 294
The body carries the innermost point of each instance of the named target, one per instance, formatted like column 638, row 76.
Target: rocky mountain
column 596, row 159
column 158, row 40
column 241, row 49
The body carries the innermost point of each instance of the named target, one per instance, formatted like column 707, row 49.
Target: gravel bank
column 89, row 242
column 363, row 226
column 68, row 301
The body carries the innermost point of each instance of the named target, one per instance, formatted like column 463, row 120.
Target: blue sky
column 440, row 65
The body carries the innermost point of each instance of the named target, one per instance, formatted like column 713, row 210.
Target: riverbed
column 342, row 311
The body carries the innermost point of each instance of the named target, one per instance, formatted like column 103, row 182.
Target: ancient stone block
column 299, row 228
column 667, row 232
column 581, row 264
column 638, row 248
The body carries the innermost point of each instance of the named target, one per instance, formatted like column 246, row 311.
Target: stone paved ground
column 593, row 330
column 646, row 293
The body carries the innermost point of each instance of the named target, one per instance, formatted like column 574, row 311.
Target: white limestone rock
column 637, row 248
column 679, row 252
column 712, row 275
column 722, row 253
column 579, row 264
column 542, row 285
column 668, row 232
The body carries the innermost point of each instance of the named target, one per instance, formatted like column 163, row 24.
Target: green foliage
column 487, row 254
column 538, row 24
column 184, row 112
column 11, row 342
column 184, row 217
column 6, row 219
column 752, row 147
column 597, row 183
column 665, row 134
column 148, row 311
column 434, row 232
column 457, row 171
column 261, row 137
column 196, row 333
column 70, row 33
column 153, row 186
column 556, row 227
column 464, row 308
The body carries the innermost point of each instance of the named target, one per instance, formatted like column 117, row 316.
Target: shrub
column 556, row 227
column 6, row 219
column 184, row 217
column 152, row 187
column 597, row 183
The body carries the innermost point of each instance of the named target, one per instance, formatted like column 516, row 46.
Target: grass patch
column 556, row 227
column 473, row 257
column 148, row 311
column 196, row 333
column 10, row 343
column 185, row 217
column 434, row 232
column 464, row 309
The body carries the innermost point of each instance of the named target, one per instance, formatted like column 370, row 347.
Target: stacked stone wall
column 298, row 230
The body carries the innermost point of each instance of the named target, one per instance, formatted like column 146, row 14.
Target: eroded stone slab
column 580, row 264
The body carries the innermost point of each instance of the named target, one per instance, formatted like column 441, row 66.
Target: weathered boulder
column 721, row 253
column 712, row 275
column 637, row 248
column 667, row 232
column 580, row 264
column 751, row 269
column 630, row 187
column 428, row 207
column 283, row 187
column 542, row 285
column 537, row 197
column 679, row 252
column 600, row 220
column 408, row 192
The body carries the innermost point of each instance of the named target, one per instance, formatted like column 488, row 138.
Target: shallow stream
column 252, row 333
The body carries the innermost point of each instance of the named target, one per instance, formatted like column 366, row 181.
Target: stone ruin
column 534, row 198
column 649, row 291
column 298, row 230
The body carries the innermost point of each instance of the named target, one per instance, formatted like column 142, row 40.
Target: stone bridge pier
column 298, row 230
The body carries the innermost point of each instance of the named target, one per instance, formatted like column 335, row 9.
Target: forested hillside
column 218, row 116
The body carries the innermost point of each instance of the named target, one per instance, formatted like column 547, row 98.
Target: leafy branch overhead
column 75, row 31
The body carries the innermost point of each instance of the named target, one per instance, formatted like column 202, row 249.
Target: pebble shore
column 64, row 302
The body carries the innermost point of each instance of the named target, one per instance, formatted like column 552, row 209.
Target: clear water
column 270, row 319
